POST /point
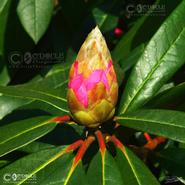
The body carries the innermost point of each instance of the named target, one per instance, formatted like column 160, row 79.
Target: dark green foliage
column 149, row 59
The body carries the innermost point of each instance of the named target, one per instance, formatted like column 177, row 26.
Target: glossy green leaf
column 56, row 98
column 153, row 21
column 35, row 16
column 159, row 122
column 173, row 160
column 57, row 77
column 50, row 166
column 132, row 169
column 104, row 168
column 36, row 146
column 162, row 57
column 170, row 98
column 104, row 20
column 42, row 91
column 20, row 133
column 8, row 104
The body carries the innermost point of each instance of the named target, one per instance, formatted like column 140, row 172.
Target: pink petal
column 105, row 80
column 81, row 94
column 78, row 86
column 96, row 77
column 93, row 79
column 76, row 82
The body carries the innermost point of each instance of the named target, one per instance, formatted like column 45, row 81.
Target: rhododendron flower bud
column 93, row 88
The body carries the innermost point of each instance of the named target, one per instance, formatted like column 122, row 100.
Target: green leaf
column 4, row 10
column 132, row 169
column 173, row 160
column 170, row 124
column 42, row 91
column 20, row 133
column 104, row 20
column 133, row 57
column 56, row 97
column 3, row 163
column 35, row 16
column 36, row 146
column 104, row 168
column 4, row 76
column 8, row 104
column 163, row 56
column 3, row 4
column 50, row 166
column 119, row 73
column 170, row 98
column 57, row 77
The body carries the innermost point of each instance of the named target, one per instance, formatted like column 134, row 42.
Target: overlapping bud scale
column 92, row 88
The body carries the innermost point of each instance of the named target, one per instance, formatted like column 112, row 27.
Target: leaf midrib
column 15, row 148
column 40, row 99
column 147, row 120
column 44, row 165
column 47, row 94
column 25, row 131
column 37, row 98
column 132, row 167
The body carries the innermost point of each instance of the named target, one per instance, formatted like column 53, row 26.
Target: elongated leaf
column 131, row 60
column 50, row 166
column 123, row 48
column 167, row 123
column 8, row 104
column 39, row 91
column 104, row 168
column 35, row 16
column 20, row 133
column 36, row 146
column 57, row 77
column 173, row 160
column 162, row 57
column 133, row 171
column 170, row 98
column 53, row 98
